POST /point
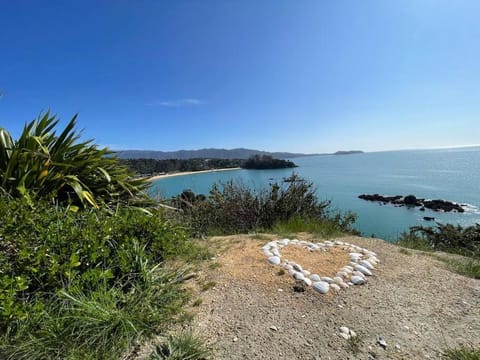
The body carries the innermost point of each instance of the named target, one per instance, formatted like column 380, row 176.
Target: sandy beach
column 156, row 177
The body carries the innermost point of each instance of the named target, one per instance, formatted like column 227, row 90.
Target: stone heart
column 355, row 272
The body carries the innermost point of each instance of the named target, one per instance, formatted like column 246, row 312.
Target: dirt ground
column 250, row 310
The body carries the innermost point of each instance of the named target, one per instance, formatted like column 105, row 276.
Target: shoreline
column 182, row 173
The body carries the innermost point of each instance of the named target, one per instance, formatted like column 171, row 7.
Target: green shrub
column 449, row 238
column 49, row 248
column 233, row 207
column 42, row 164
column 184, row 346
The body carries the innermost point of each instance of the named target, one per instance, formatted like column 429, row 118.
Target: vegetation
column 149, row 167
column 267, row 162
column 86, row 284
column 235, row 208
column 454, row 239
column 42, row 164
column 463, row 353
column 185, row 346
column 449, row 238
column 83, row 275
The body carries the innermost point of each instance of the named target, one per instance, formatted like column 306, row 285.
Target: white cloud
column 177, row 102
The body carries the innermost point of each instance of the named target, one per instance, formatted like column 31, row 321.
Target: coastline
column 182, row 173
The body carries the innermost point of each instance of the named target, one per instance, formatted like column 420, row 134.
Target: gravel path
column 412, row 302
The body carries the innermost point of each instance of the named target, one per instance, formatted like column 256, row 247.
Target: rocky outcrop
column 413, row 201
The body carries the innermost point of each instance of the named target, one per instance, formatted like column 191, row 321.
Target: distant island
column 260, row 162
column 348, row 152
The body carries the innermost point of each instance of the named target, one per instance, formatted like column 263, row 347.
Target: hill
column 204, row 153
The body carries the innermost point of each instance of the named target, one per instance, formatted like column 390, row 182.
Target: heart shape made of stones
column 361, row 265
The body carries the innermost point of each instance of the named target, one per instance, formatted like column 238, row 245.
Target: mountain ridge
column 238, row 153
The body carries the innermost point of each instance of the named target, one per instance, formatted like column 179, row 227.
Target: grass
column 404, row 251
column 208, row 285
column 185, row 346
column 324, row 228
column 355, row 344
column 463, row 353
column 461, row 265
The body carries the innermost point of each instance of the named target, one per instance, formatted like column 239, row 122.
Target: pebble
column 335, row 287
column 321, row 286
column 357, row 280
column 354, row 271
column 344, row 330
column 274, row 260
column 273, row 328
column 381, row 341
column 298, row 276
column 297, row 267
column 366, row 264
column 345, row 336
column 363, row 270
column 235, row 339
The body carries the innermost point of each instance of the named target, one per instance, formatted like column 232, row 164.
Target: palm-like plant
column 42, row 164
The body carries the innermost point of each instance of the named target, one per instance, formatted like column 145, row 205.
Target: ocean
column 448, row 174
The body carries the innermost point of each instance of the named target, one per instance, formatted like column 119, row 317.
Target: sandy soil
column 188, row 173
column 412, row 301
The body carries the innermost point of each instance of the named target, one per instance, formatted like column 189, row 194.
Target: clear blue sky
column 303, row 76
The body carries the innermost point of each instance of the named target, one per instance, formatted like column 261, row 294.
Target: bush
column 449, row 238
column 53, row 259
column 235, row 208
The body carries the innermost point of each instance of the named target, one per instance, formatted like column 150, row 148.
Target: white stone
column 366, row 264
column 267, row 253
column 275, row 260
column 298, row 275
column 284, row 241
column 307, row 281
column 297, row 267
column 327, row 279
column 363, row 270
column 275, row 252
column 343, row 285
column 291, row 272
column 337, row 280
column 344, row 330
column 352, row 263
column 357, row 280
column 321, row 286
column 335, row 287
column 315, row 277
column 345, row 336
column 306, row 272
column 287, row 266
column 358, row 273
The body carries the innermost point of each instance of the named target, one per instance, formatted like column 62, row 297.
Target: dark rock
column 428, row 218
column 410, row 200
column 299, row 286
column 413, row 201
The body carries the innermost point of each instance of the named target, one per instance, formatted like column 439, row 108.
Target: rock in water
column 274, row 260
column 321, row 286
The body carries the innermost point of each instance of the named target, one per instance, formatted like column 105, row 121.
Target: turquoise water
column 450, row 174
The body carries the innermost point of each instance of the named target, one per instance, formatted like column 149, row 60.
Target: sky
column 301, row 76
